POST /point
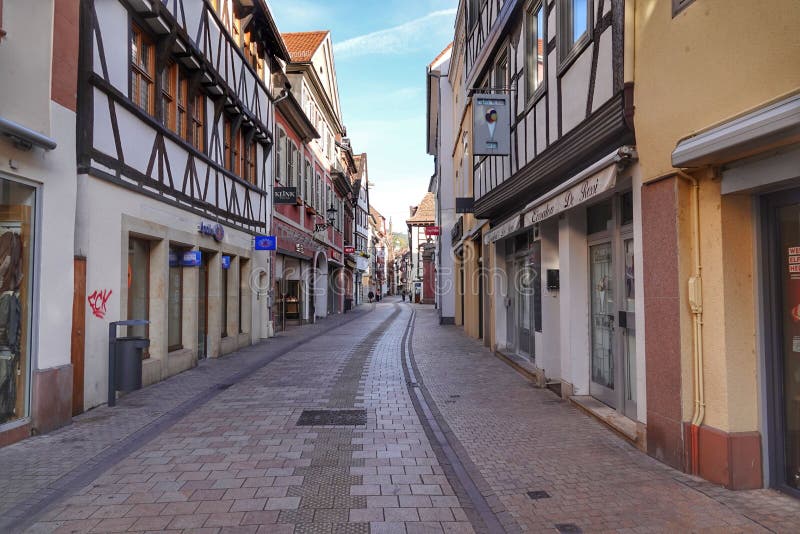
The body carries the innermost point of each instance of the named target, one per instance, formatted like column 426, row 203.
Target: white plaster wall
column 102, row 224
column 112, row 21
column 575, row 90
column 548, row 355
column 638, row 265
column 54, row 172
column 25, row 83
column 574, row 297
column 603, row 83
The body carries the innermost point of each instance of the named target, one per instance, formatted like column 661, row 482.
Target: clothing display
column 11, row 275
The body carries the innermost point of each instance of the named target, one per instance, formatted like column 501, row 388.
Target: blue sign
column 265, row 242
column 226, row 262
column 192, row 258
column 214, row 230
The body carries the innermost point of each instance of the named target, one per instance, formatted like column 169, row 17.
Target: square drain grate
column 538, row 495
column 568, row 528
column 332, row 418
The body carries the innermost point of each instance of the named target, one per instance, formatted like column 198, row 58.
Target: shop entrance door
column 612, row 298
column 782, row 239
column 601, row 279
column 523, row 294
column 202, row 308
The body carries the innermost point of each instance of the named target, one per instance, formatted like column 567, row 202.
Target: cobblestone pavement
column 241, row 463
column 520, row 439
column 241, row 444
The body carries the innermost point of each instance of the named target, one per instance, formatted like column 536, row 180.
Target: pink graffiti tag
column 98, row 301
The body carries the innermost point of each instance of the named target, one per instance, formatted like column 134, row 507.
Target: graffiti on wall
column 98, row 301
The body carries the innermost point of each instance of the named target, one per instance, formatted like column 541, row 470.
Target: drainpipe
column 696, row 304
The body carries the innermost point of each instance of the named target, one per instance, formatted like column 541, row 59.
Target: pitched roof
column 441, row 54
column 302, row 45
column 425, row 213
column 375, row 213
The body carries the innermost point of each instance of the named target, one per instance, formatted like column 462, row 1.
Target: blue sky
column 381, row 50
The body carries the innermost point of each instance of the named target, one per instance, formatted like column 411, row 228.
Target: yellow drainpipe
column 695, row 288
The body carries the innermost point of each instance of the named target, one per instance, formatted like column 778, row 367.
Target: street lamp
column 331, row 212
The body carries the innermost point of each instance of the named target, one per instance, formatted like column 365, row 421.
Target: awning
column 570, row 194
column 501, row 231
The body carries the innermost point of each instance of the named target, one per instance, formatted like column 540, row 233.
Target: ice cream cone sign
column 491, row 120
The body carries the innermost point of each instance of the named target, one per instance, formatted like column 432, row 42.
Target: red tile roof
column 425, row 213
column 302, row 45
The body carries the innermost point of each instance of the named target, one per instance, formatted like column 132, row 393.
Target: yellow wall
column 715, row 60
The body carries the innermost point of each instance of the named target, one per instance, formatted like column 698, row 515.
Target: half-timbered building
column 562, row 202
column 175, row 136
column 312, row 75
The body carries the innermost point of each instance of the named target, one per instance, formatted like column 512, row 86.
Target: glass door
column 786, row 355
column 627, row 328
column 523, row 294
column 601, row 277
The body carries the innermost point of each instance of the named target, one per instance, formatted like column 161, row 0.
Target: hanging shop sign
column 491, row 125
column 285, row 195
column 226, row 262
column 265, row 242
column 191, row 258
column 577, row 194
column 432, row 231
column 214, row 230
column 349, row 250
column 465, row 205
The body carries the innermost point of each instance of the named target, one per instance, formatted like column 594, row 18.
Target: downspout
column 695, row 288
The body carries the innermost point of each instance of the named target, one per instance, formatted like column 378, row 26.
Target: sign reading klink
column 285, row 195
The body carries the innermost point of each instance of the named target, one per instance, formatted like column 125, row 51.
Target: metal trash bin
column 128, row 369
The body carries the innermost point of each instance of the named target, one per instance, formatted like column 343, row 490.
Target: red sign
column 349, row 250
column 432, row 230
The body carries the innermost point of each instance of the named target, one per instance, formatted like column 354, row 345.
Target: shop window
column 175, row 300
column 598, row 217
column 142, row 70
column 139, row 285
column 17, row 206
column 534, row 49
column 574, row 23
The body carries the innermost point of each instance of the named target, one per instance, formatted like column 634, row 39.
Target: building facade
column 421, row 274
column 37, row 215
column 720, row 164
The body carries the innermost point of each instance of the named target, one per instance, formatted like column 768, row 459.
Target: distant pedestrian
column 404, row 295
column 370, row 296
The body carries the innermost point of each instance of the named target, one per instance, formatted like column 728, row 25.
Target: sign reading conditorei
column 577, row 194
column 285, row 195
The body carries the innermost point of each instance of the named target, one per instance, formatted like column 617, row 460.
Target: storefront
column 291, row 302
column 566, row 301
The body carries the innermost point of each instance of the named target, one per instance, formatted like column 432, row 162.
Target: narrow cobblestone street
column 405, row 452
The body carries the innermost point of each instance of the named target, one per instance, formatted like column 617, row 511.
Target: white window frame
column 535, row 11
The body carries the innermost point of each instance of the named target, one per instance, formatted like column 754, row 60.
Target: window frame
column 198, row 114
column 307, row 179
column 280, row 156
column 569, row 50
column 224, row 297
column 138, row 72
column 250, row 166
column 531, row 10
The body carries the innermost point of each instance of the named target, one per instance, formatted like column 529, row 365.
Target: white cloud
column 412, row 35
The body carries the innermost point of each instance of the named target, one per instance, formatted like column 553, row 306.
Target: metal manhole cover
column 332, row 418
